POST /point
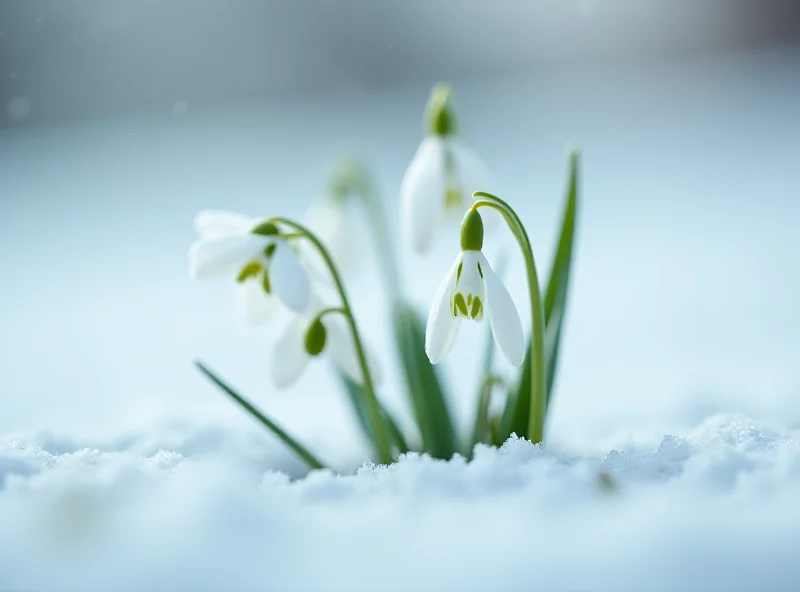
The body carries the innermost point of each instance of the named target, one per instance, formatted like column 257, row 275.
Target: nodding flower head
column 253, row 253
column 442, row 175
column 472, row 290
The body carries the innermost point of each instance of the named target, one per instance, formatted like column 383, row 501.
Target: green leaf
column 481, row 433
column 307, row 457
column 428, row 401
column 358, row 399
column 515, row 415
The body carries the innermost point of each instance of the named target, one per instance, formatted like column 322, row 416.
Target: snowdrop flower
column 441, row 177
column 470, row 290
column 252, row 251
column 306, row 336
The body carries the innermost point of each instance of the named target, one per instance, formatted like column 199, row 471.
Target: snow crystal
column 714, row 508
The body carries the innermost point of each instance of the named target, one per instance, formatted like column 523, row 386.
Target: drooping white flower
column 332, row 218
column 441, row 177
column 290, row 354
column 251, row 251
column 472, row 290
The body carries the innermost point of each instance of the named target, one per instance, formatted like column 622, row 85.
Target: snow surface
column 712, row 509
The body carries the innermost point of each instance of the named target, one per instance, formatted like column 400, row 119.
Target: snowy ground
column 121, row 468
column 714, row 510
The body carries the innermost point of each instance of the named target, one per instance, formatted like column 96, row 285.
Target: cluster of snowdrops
column 280, row 262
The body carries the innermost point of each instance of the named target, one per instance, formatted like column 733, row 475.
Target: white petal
column 289, row 356
column 474, row 176
column 503, row 316
column 288, row 278
column 342, row 350
column 441, row 330
column 224, row 256
column 422, row 194
column 326, row 218
column 218, row 224
column 470, row 282
column 258, row 306
column 473, row 173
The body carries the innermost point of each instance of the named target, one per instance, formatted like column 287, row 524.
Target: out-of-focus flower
column 441, row 177
column 307, row 335
column 251, row 251
column 470, row 289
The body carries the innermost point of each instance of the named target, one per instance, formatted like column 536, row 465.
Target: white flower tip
column 289, row 279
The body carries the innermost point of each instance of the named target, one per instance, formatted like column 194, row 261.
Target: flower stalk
column 538, row 407
column 379, row 426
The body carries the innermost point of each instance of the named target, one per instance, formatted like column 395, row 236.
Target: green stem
column 326, row 311
column 380, row 429
column 538, row 370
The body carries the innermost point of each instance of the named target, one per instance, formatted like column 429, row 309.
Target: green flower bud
column 265, row 229
column 316, row 337
column 441, row 120
column 472, row 232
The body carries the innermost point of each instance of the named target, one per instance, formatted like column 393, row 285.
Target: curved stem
column 538, row 407
column 330, row 310
column 380, row 430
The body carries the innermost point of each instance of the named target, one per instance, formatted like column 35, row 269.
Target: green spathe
column 265, row 229
column 472, row 232
column 316, row 336
column 441, row 120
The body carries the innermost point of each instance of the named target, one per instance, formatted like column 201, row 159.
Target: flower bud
column 440, row 118
column 316, row 336
column 265, row 229
column 472, row 232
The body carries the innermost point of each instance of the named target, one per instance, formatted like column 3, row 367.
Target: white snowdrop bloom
column 441, row 177
column 332, row 219
column 250, row 250
column 298, row 343
column 472, row 290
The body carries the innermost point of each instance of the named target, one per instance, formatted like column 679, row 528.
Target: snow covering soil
column 714, row 509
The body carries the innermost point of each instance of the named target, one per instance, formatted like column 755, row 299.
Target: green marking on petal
column 476, row 312
column 458, row 271
column 266, row 283
column 460, row 304
column 270, row 250
column 252, row 269
column 453, row 198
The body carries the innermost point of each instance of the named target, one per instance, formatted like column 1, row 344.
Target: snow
column 712, row 509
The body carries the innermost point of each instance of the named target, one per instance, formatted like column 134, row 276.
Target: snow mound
column 714, row 509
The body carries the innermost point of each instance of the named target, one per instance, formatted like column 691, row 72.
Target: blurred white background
column 122, row 120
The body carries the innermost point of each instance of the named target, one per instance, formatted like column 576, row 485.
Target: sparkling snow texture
column 713, row 509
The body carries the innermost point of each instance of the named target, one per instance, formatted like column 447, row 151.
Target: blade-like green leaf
column 358, row 400
column 515, row 415
column 555, row 299
column 428, row 401
column 481, row 433
column 307, row 457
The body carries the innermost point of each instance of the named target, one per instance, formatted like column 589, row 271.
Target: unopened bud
column 440, row 118
column 316, row 337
